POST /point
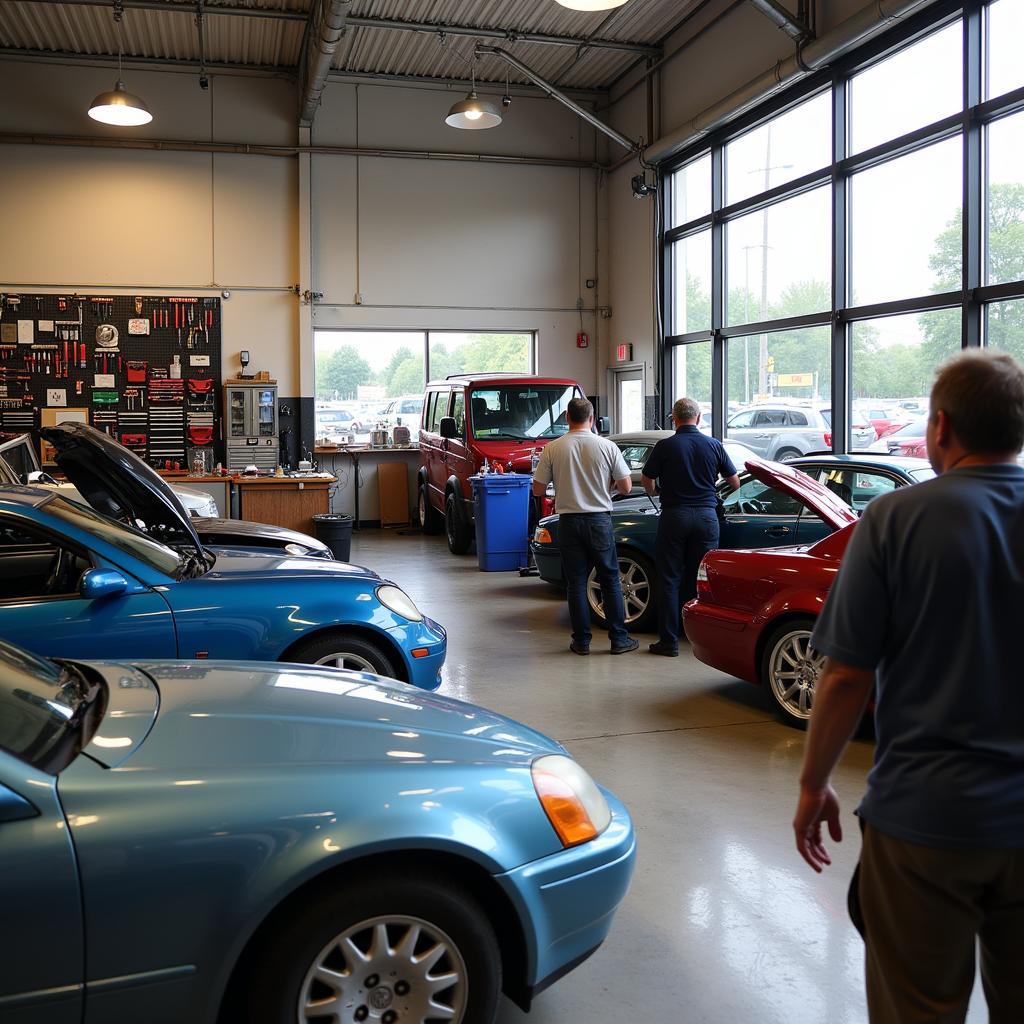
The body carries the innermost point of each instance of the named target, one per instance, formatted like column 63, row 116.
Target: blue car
column 204, row 842
column 757, row 515
column 74, row 583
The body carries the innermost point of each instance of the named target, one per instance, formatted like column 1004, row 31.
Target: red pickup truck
column 503, row 417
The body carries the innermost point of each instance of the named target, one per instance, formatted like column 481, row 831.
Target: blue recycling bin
column 501, row 504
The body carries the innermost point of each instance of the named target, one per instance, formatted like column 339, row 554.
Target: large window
column 828, row 251
column 361, row 373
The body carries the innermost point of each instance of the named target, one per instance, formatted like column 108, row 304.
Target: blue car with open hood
column 75, row 583
column 279, row 844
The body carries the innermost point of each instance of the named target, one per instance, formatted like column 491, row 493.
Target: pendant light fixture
column 473, row 112
column 591, row 5
column 119, row 107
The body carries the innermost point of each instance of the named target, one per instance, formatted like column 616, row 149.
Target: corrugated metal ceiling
column 78, row 29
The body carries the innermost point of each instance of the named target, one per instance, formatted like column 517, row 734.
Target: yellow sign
column 796, row 380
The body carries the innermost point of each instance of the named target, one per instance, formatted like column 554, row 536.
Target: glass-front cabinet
column 252, row 426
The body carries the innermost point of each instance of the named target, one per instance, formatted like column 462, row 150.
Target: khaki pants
column 922, row 910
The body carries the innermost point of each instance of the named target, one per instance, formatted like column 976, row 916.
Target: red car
column 909, row 439
column 755, row 609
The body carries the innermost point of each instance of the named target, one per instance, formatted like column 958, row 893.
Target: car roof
column 882, row 461
column 500, row 378
column 641, row 436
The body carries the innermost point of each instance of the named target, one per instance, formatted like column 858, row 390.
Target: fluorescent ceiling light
column 591, row 5
column 473, row 112
column 120, row 107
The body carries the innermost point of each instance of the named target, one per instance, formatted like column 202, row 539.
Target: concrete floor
column 724, row 922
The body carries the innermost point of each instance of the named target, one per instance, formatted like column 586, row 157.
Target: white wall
column 426, row 242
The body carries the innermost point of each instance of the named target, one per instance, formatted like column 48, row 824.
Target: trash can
column 502, row 508
column 336, row 532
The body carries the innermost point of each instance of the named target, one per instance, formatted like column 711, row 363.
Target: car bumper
column 567, row 901
column 548, row 561
column 425, row 671
column 722, row 638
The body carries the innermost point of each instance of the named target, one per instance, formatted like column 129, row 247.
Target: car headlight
column 399, row 602
column 296, row 549
column 542, row 535
column 576, row 808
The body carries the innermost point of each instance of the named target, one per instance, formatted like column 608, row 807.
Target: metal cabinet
column 251, row 426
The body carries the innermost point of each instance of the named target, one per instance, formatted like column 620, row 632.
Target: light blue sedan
column 203, row 842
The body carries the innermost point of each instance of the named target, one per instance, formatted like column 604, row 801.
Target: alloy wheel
column 347, row 660
column 393, row 969
column 793, row 672
column 636, row 590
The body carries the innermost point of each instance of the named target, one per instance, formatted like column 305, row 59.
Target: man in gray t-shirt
column 926, row 612
column 585, row 468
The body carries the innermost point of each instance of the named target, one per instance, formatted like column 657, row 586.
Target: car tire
column 636, row 572
column 790, row 669
column 309, row 962
column 337, row 650
column 787, row 454
column 429, row 519
column 459, row 534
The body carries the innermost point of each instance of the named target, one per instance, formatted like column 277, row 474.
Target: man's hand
column 816, row 806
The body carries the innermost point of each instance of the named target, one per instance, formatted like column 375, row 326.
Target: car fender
column 790, row 603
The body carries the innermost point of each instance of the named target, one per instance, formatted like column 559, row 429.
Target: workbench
column 357, row 494
column 283, row 501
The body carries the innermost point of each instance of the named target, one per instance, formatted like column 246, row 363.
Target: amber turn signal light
column 542, row 536
column 420, row 652
column 565, row 810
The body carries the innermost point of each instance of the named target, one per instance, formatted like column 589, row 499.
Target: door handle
column 761, row 436
column 777, row 531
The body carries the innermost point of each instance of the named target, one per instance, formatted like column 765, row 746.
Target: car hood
column 209, row 529
column 216, row 715
column 118, row 484
column 232, row 562
column 818, row 498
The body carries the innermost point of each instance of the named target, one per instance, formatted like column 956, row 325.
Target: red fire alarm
column 582, row 340
column 624, row 353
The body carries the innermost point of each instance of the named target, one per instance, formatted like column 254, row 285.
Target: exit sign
column 624, row 353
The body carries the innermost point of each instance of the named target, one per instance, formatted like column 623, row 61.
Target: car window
column 636, row 455
column 459, row 413
column 412, row 405
column 438, row 410
column 428, row 411
column 36, row 566
column 742, row 419
column 520, row 412
column 797, row 419
column 856, row 487
column 770, row 418
column 756, row 498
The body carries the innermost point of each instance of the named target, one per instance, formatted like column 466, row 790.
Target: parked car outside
column 403, row 411
column 338, row 422
column 467, row 418
column 782, row 432
column 636, row 448
column 204, row 841
column 110, row 461
column 910, row 439
column 756, row 515
column 884, row 418
column 755, row 610
column 75, row 583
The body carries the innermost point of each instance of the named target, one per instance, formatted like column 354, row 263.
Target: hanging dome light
column 591, row 5
column 120, row 107
column 473, row 112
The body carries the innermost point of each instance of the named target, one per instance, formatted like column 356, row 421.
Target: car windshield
column 44, row 708
column 124, row 538
column 520, row 412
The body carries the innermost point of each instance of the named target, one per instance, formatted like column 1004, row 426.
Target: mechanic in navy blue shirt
column 929, row 602
column 684, row 470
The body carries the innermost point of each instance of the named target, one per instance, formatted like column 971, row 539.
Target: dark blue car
column 755, row 516
column 77, row 583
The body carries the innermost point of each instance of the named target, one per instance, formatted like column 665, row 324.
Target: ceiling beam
column 391, row 24
column 325, row 30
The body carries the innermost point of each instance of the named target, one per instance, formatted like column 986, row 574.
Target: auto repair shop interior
column 292, row 296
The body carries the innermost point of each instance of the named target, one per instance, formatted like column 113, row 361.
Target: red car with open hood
column 755, row 609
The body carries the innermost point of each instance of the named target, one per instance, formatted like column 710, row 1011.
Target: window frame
column 973, row 295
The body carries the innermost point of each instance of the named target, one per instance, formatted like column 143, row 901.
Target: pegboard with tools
column 144, row 368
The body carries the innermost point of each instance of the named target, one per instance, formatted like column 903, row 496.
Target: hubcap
column 423, row 509
column 636, row 590
column 794, row 672
column 347, row 660
column 394, row 969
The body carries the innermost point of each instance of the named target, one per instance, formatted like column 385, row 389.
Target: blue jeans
column 585, row 542
column 685, row 536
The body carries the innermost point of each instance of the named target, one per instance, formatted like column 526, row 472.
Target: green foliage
column 339, row 373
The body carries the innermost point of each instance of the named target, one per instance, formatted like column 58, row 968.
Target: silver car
column 782, row 432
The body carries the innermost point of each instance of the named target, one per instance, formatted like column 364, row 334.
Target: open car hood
column 818, row 498
column 119, row 485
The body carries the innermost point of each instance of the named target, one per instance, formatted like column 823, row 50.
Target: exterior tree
column 339, row 373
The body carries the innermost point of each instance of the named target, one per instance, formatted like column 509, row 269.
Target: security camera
column 506, row 101
column 204, row 82
column 642, row 188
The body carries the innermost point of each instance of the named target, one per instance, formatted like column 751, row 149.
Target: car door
column 458, row 457
column 741, row 428
column 758, row 516
column 43, row 962
column 42, row 609
column 437, row 471
column 636, row 455
column 858, row 486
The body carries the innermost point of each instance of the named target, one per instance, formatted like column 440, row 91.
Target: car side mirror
column 38, row 476
column 604, row 425
column 449, row 428
column 100, row 583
